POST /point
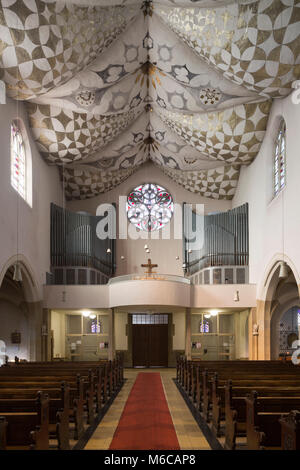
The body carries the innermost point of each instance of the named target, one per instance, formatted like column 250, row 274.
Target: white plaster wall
column 163, row 252
column 58, row 326
column 14, row 320
column 34, row 222
column 274, row 223
column 241, row 334
column 121, row 340
column 179, row 331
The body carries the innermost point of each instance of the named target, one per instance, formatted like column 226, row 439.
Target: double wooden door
column 150, row 345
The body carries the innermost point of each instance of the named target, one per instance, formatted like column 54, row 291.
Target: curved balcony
column 149, row 277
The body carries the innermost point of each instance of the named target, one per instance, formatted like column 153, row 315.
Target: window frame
column 279, row 159
column 26, row 195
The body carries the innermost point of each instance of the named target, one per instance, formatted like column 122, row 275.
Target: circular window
column 149, row 207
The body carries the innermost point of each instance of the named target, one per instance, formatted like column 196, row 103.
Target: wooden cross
column 149, row 266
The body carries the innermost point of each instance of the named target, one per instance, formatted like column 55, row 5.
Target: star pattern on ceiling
column 110, row 84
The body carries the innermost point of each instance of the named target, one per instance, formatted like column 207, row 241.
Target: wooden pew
column 244, row 377
column 27, row 423
column 243, row 384
column 3, row 425
column 76, row 393
column 263, row 419
column 59, row 408
column 235, row 409
column 99, row 389
column 290, row 431
column 91, row 385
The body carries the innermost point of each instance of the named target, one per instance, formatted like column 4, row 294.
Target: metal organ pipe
column 226, row 239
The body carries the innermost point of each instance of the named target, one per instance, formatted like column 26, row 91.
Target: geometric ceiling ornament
column 67, row 136
column 218, row 183
column 232, row 135
column 255, row 44
column 45, row 43
column 85, row 182
column 111, row 84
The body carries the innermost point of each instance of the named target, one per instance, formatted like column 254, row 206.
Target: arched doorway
column 285, row 331
column 281, row 294
column 19, row 314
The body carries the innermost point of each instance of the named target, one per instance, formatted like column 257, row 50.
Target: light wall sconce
column 86, row 313
column 236, row 297
column 108, row 250
column 17, row 276
column 147, row 251
column 214, row 313
column 122, row 258
column 92, row 316
column 177, row 257
column 190, row 251
column 283, row 271
column 146, row 247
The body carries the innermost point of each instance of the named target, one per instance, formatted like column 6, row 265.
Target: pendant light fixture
column 17, row 276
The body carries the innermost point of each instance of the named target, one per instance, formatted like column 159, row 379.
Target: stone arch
column 21, row 309
column 275, row 297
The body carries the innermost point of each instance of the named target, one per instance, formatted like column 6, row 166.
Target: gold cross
column 149, row 266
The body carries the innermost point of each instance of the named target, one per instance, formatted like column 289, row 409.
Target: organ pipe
column 74, row 241
column 226, row 239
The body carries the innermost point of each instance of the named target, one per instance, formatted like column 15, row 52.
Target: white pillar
column 111, row 335
column 188, row 334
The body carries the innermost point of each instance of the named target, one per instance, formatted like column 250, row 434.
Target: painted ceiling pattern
column 110, row 84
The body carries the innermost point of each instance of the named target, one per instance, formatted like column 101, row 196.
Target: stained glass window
column 18, row 161
column 280, row 159
column 149, row 207
column 95, row 326
column 204, row 327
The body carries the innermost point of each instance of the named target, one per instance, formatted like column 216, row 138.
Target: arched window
column 20, row 161
column 149, row 207
column 280, row 159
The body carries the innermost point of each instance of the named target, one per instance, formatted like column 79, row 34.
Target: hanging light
column 214, row 313
column 236, row 297
column 283, row 271
column 177, row 257
column 86, row 313
column 17, row 276
column 108, row 250
column 122, row 258
column 146, row 247
column 147, row 251
column 92, row 316
column 190, row 251
column 207, row 315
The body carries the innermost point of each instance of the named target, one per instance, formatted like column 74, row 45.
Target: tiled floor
column 188, row 433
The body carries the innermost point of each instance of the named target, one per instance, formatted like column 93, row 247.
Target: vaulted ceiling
column 110, row 84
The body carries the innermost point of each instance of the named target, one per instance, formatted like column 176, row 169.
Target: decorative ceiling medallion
column 149, row 207
column 86, row 98
column 190, row 160
column 209, row 96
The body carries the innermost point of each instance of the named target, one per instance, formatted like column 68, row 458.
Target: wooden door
column 150, row 345
column 140, row 340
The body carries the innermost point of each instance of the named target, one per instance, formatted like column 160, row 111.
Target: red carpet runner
column 146, row 423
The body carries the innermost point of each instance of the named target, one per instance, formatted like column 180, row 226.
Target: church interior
column 149, row 255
